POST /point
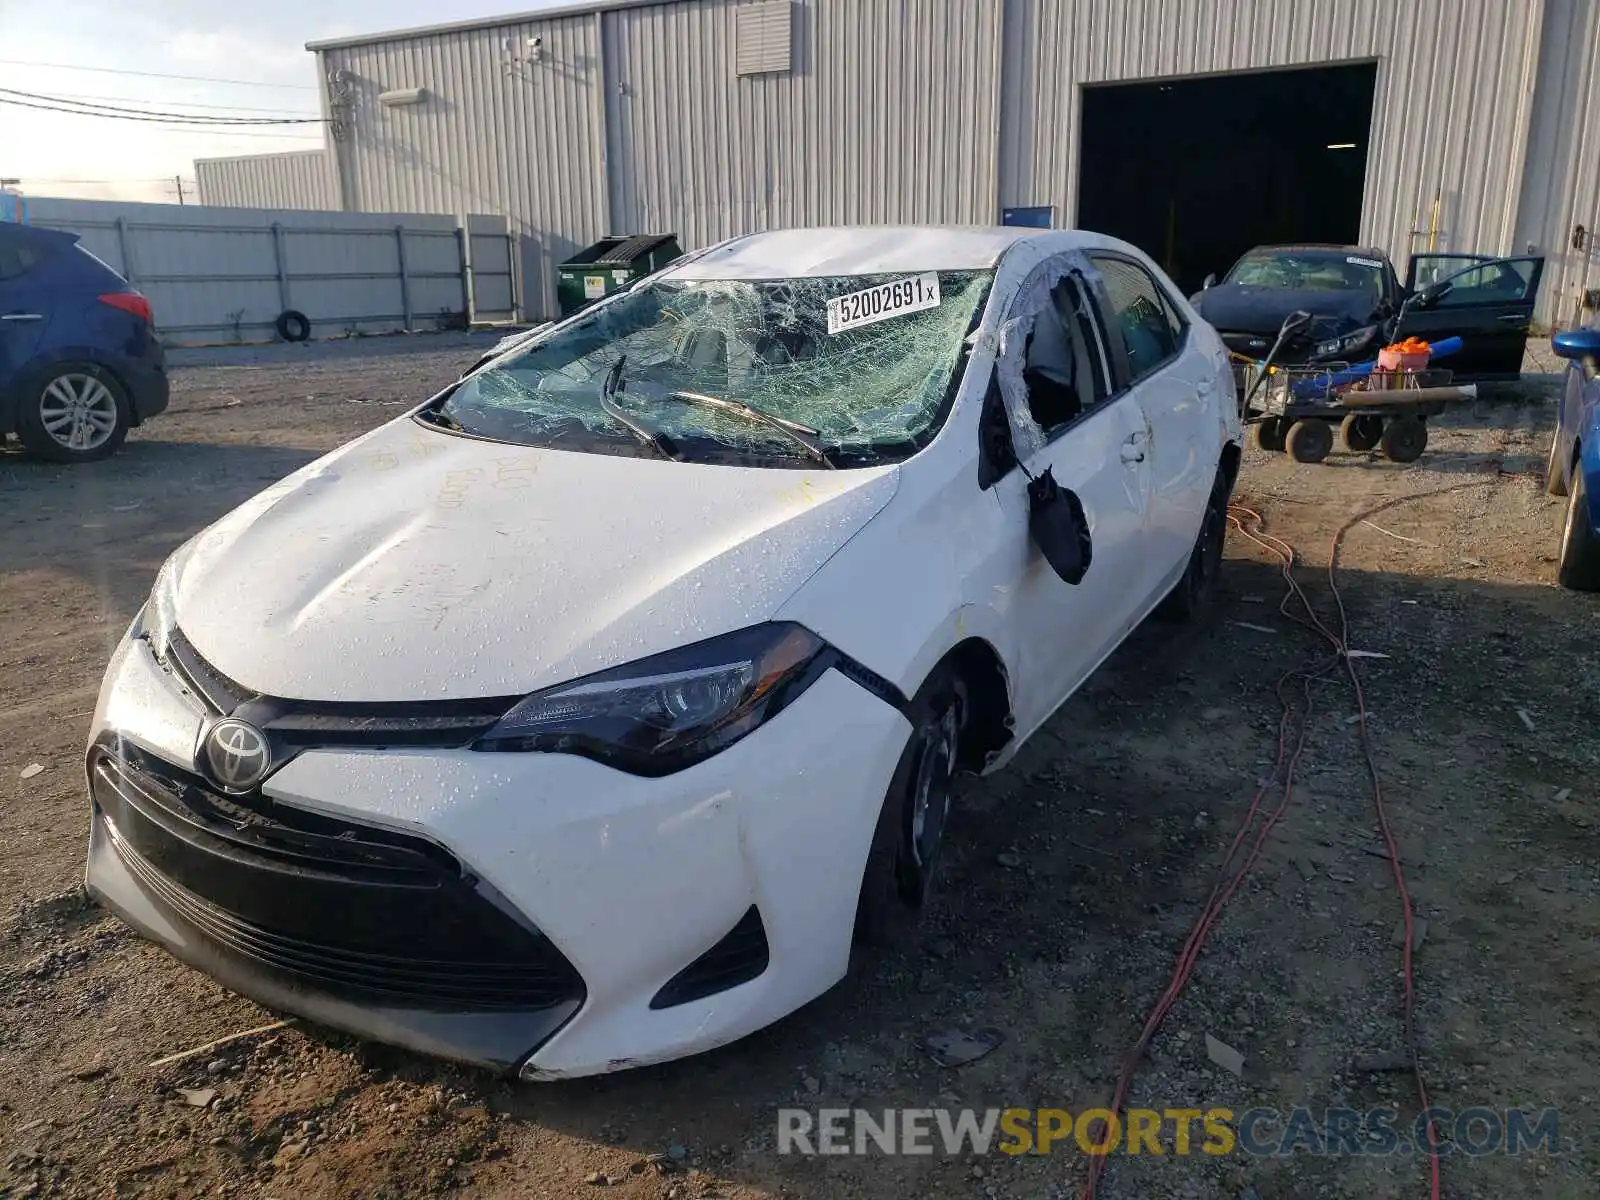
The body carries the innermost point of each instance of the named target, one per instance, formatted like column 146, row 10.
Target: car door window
column 1063, row 369
column 16, row 257
column 1152, row 329
column 1499, row 282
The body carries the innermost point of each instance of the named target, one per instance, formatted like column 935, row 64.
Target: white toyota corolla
column 584, row 716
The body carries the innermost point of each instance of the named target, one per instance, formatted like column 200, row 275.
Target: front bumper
column 621, row 881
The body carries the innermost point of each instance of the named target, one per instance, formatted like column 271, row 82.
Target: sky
column 252, row 62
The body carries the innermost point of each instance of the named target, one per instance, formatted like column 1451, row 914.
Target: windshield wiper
column 438, row 416
column 801, row 435
column 608, row 390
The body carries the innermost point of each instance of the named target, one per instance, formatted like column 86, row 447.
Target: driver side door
column 1094, row 440
column 1489, row 307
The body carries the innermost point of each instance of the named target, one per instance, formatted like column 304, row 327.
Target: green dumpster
column 610, row 265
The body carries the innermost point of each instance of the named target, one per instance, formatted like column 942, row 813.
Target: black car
column 1355, row 298
column 80, row 363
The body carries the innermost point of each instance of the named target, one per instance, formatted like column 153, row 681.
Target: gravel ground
column 1073, row 878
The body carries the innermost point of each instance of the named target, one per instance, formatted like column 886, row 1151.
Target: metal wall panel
column 1450, row 118
column 632, row 116
column 295, row 179
column 224, row 274
column 1561, row 188
column 889, row 114
column 504, row 128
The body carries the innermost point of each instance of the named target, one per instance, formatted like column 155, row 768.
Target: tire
column 1360, row 432
column 293, row 326
column 903, row 861
column 1580, row 548
column 1404, row 439
column 1309, row 440
column 1554, row 485
column 1269, row 435
column 74, row 413
column 1194, row 590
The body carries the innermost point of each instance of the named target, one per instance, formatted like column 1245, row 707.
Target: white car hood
column 414, row 565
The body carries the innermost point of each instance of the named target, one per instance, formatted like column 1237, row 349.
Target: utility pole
column 178, row 179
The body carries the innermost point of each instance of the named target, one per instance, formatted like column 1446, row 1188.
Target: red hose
column 1250, row 524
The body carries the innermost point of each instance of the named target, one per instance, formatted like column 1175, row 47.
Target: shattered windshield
column 1316, row 272
column 861, row 366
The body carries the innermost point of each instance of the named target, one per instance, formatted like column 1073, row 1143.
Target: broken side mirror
column 1432, row 294
column 1576, row 344
column 1210, row 282
column 1059, row 527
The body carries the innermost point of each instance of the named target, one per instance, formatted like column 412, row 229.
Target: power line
column 17, row 62
column 173, row 103
column 66, row 104
column 79, row 108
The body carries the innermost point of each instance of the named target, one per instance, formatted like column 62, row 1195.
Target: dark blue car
column 1574, row 467
column 79, row 361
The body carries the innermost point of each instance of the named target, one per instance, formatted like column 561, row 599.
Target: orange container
column 1409, row 355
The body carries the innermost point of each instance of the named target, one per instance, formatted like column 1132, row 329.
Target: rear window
column 17, row 258
column 95, row 263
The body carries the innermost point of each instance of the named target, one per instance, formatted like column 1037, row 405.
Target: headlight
column 1348, row 343
column 669, row 711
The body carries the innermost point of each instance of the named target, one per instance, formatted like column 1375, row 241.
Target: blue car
column 80, row 364
column 1574, row 467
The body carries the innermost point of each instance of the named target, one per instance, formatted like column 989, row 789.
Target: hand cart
column 1294, row 408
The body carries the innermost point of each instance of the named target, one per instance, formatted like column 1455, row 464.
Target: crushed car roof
column 867, row 250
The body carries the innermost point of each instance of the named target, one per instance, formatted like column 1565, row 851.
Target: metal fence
column 227, row 274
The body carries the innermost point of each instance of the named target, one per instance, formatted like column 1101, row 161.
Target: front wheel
column 1580, row 546
column 904, row 858
column 76, row 412
column 1309, row 440
column 1404, row 439
column 1359, row 432
column 1269, row 435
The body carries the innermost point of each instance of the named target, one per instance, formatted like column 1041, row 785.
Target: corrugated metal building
column 1480, row 119
column 292, row 179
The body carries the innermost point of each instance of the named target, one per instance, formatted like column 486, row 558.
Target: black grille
column 738, row 958
column 295, row 725
column 353, row 911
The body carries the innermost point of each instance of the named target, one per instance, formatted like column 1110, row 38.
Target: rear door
column 1171, row 381
column 24, row 304
column 1489, row 306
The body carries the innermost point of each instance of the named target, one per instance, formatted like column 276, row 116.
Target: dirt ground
column 1072, row 880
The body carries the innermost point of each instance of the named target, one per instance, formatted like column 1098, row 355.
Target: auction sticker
column 1364, row 262
column 879, row 303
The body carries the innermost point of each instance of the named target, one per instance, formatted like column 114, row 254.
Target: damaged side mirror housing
column 1432, row 294
column 1059, row 527
column 1210, row 282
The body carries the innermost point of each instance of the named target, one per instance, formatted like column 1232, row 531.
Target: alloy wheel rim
column 78, row 411
column 930, row 799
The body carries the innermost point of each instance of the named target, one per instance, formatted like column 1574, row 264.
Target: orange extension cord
column 1251, row 525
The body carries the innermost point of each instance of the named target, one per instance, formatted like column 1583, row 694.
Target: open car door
column 1489, row 307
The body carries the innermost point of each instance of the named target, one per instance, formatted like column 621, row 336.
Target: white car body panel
column 499, row 569
column 412, row 565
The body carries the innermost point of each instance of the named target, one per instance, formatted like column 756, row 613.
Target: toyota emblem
column 237, row 754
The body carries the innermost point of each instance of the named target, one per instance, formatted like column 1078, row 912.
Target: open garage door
column 1196, row 171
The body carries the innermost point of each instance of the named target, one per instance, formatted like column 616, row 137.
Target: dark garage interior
column 1196, row 171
